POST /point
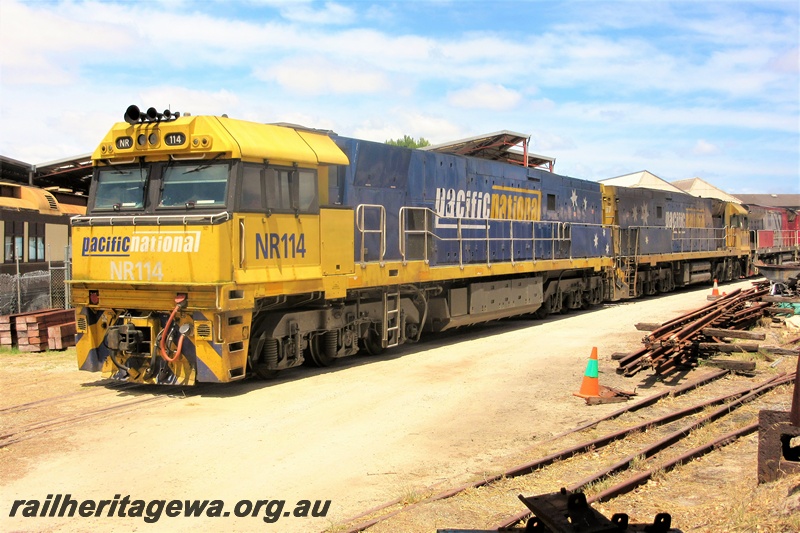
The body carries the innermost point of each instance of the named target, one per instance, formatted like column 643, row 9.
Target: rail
column 479, row 230
column 361, row 211
column 737, row 237
column 768, row 238
column 699, row 239
column 539, row 240
column 91, row 220
column 682, row 239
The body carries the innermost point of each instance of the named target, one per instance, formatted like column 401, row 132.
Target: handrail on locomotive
column 360, row 216
column 698, row 239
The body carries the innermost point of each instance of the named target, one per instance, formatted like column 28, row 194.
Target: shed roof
column 643, row 179
column 73, row 173
column 498, row 146
column 703, row 189
column 791, row 201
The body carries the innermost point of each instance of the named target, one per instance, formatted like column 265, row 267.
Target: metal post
column 50, row 277
column 67, row 276
column 794, row 414
column 19, row 291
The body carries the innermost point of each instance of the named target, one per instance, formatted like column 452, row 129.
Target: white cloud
column 42, row 46
column 332, row 13
column 192, row 101
column 787, row 62
column 603, row 90
column 704, row 148
column 543, row 142
column 398, row 122
column 626, row 115
column 319, row 76
column 485, row 96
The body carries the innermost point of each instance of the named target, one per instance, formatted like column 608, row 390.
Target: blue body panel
column 667, row 222
column 486, row 202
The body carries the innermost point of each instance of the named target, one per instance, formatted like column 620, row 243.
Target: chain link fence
column 40, row 289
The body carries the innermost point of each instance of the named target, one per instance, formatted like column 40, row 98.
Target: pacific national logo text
column 507, row 203
column 161, row 242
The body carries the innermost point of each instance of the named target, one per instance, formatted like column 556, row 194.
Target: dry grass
column 714, row 493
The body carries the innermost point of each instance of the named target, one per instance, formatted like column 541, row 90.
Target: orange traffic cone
column 714, row 292
column 590, row 387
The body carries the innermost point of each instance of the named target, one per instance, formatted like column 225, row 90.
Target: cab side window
column 308, row 199
column 278, row 189
column 251, row 191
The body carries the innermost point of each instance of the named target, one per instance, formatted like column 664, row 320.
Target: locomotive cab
column 194, row 225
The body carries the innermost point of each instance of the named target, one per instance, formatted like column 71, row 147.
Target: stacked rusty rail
column 675, row 344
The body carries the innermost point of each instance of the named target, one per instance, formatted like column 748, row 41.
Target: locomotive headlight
column 153, row 139
column 201, row 141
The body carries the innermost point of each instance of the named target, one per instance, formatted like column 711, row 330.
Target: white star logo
column 645, row 214
column 635, row 214
column 646, row 239
column 574, row 198
column 604, row 233
column 595, row 240
column 584, row 204
column 606, row 248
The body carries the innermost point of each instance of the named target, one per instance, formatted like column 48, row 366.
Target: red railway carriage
column 773, row 230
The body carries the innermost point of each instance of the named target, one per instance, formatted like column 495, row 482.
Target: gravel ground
column 372, row 429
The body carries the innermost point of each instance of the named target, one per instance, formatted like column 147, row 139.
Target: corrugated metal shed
column 703, row 189
column 790, row 201
column 643, row 179
column 73, row 173
column 503, row 145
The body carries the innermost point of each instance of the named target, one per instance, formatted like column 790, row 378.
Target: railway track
column 68, row 397
column 32, row 419
column 603, row 458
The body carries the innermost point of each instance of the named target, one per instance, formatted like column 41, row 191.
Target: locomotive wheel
column 316, row 348
column 372, row 343
column 263, row 372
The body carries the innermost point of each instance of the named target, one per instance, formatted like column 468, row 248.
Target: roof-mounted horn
column 134, row 116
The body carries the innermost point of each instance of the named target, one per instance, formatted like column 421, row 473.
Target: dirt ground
column 448, row 410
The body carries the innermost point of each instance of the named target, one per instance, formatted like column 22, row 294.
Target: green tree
column 409, row 142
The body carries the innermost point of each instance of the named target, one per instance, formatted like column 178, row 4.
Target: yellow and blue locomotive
column 213, row 247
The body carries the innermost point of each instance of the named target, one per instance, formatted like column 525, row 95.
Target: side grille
column 203, row 330
column 51, row 200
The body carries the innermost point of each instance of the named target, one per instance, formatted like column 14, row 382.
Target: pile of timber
column 37, row 331
column 680, row 342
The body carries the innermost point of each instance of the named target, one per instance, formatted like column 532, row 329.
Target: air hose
column 181, row 301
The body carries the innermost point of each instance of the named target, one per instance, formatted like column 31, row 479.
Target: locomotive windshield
column 194, row 185
column 120, row 188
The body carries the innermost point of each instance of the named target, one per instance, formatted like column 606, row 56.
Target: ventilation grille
column 51, row 200
column 203, row 330
column 81, row 323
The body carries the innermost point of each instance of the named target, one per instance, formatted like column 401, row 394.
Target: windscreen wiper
column 203, row 167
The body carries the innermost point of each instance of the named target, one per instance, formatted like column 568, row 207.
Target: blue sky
column 682, row 89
